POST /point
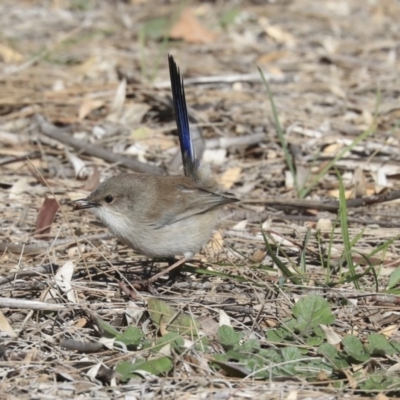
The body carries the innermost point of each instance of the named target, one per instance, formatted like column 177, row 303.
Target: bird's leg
column 167, row 270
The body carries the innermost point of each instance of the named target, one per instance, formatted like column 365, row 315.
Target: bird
column 163, row 216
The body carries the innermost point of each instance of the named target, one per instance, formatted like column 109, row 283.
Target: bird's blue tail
column 182, row 120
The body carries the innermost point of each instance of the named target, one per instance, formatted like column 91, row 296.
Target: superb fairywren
column 162, row 216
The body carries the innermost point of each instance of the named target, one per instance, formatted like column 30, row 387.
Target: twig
column 34, row 249
column 59, row 134
column 238, row 141
column 42, row 270
column 330, row 205
column 227, row 79
column 6, row 302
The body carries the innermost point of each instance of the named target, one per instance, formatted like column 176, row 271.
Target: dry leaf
column 224, row 318
column 258, row 256
column 324, row 225
column 20, row 186
column 81, row 323
column 214, row 156
column 336, row 194
column 5, row 327
column 189, row 29
column 88, row 105
column 133, row 113
column 332, row 148
column 360, row 184
column 230, row 177
column 388, row 331
column 63, row 280
column 240, row 226
column 119, row 99
column 80, row 169
column 93, row 181
column 216, row 244
column 278, row 34
column 289, row 181
column 10, row 56
column 331, row 336
column 46, row 217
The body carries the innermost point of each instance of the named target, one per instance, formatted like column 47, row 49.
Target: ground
column 294, row 105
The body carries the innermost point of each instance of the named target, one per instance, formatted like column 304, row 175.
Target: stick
column 59, row 134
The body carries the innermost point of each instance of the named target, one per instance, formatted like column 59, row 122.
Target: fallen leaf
column 258, row 256
column 80, row 169
column 63, row 279
column 331, row 336
column 388, row 331
column 230, row 177
column 45, row 217
column 324, row 225
column 169, row 318
column 80, row 323
column 88, row 105
column 117, row 106
column 189, row 29
column 335, row 193
column 10, row 56
column 5, row 327
column 20, row 186
column 281, row 36
column 224, row 319
column 133, row 113
column 216, row 244
column 93, row 181
column 360, row 184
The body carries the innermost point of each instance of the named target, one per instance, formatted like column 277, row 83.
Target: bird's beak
column 81, row 204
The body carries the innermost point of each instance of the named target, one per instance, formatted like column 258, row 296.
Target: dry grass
column 333, row 72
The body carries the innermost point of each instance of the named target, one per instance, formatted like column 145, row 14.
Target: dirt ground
column 85, row 94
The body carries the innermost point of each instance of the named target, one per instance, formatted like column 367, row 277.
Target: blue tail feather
column 182, row 119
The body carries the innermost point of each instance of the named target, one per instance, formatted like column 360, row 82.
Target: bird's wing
column 192, row 201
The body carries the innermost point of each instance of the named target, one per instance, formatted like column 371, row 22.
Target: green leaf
column 228, row 337
column 314, row 341
column 355, row 349
column 248, row 346
column 157, row 366
column 105, row 328
column 232, row 369
column 281, row 134
column 281, row 265
column 272, row 356
column 379, row 382
column 394, row 278
column 279, row 335
column 171, row 338
column 378, row 345
column 174, row 321
column 155, row 28
column 311, row 311
column 345, row 231
column 131, row 337
column 333, row 356
column 228, row 18
column 291, row 353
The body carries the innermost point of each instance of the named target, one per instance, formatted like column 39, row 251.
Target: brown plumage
column 158, row 216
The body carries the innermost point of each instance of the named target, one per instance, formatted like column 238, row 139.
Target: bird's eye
column 108, row 199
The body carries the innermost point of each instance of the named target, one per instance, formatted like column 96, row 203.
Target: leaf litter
column 96, row 73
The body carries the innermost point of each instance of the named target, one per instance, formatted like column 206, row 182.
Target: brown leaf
column 189, row 29
column 46, row 217
column 93, row 181
column 88, row 105
column 9, row 55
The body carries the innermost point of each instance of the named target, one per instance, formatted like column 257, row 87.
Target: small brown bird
column 162, row 216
